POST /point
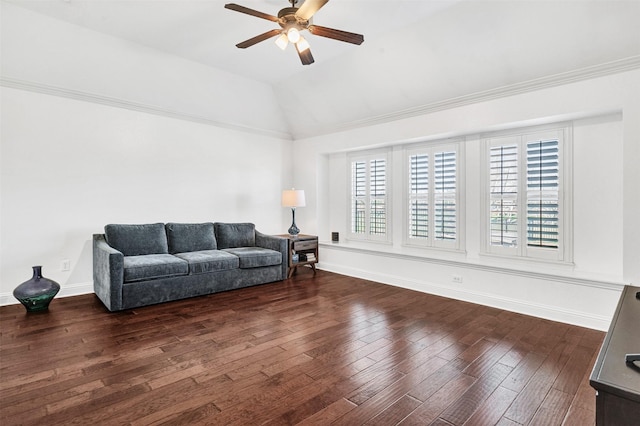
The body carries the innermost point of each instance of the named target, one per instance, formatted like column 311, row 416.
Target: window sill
column 458, row 259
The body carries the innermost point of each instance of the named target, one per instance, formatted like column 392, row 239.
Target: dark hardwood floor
column 311, row 350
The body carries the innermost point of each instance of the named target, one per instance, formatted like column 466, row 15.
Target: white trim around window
column 527, row 202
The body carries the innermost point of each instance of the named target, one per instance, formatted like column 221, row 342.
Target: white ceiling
column 205, row 32
column 416, row 52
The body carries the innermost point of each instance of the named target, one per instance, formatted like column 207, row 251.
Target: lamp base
column 293, row 229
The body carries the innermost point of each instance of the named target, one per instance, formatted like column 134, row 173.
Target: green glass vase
column 37, row 293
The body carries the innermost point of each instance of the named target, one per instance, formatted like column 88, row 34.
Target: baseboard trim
column 582, row 319
column 67, row 290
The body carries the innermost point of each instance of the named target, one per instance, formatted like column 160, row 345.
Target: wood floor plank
column 532, row 395
column 431, row 408
column 523, row 371
column 577, row 416
column 433, row 383
column 325, row 391
column 463, row 407
column 491, row 410
column 553, row 409
column 381, row 399
column 329, row 414
column 314, row 350
column 573, row 371
column 395, row 412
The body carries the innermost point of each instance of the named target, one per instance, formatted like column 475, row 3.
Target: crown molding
column 587, row 73
column 31, row 86
column 608, row 68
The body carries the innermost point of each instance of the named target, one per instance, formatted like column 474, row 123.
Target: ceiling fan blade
column 309, row 8
column 242, row 9
column 305, row 56
column 336, row 34
column 258, row 39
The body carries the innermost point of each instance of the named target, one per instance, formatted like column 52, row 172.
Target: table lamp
column 293, row 198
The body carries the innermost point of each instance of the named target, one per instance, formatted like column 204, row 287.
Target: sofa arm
column 278, row 244
column 108, row 273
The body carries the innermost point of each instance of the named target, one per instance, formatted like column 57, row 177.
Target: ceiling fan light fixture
column 293, row 35
column 292, row 20
column 282, row 41
column 302, row 44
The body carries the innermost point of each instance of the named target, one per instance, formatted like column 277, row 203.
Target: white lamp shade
column 282, row 41
column 302, row 44
column 293, row 35
column 293, row 198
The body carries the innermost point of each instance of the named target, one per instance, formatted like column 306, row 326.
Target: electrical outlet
column 456, row 278
column 65, row 265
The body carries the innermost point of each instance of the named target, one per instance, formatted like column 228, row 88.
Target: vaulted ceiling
column 417, row 54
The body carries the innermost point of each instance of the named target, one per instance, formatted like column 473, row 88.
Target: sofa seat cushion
column 256, row 257
column 147, row 267
column 201, row 262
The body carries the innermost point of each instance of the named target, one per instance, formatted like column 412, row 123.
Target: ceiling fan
column 292, row 21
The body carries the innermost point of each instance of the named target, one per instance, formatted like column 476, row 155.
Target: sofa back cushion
column 136, row 240
column 188, row 237
column 231, row 235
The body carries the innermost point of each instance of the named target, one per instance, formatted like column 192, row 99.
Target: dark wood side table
column 302, row 244
column 617, row 382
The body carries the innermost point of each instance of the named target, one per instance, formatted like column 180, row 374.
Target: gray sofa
column 138, row 265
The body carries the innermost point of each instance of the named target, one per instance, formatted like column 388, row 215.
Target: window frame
column 432, row 150
column 367, row 157
column 521, row 137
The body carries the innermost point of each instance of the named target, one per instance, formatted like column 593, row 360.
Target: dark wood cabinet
column 303, row 251
column 617, row 382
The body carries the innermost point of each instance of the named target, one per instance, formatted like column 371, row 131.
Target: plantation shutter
column 369, row 204
column 445, row 196
column 432, row 196
column 529, row 195
column 378, row 209
column 542, row 193
column 358, row 191
column 503, row 203
column 419, row 196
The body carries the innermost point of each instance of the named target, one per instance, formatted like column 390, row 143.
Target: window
column 525, row 206
column 369, row 181
column 432, row 208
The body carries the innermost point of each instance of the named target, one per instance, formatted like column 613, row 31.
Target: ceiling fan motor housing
column 287, row 19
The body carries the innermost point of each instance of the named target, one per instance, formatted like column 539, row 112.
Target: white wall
column 98, row 130
column 603, row 111
column 108, row 131
column 70, row 167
